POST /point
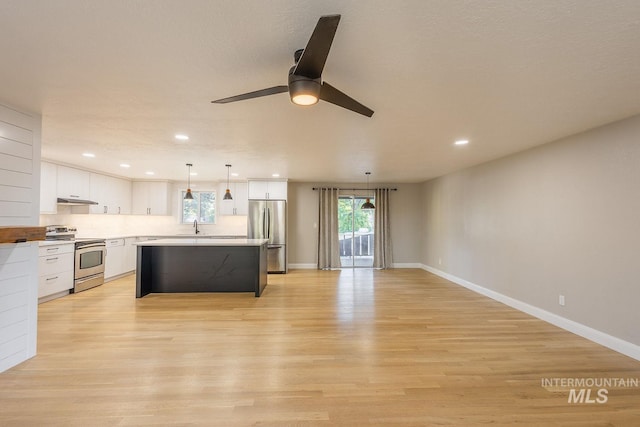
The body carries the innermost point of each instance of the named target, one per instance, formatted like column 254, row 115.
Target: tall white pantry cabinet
column 20, row 141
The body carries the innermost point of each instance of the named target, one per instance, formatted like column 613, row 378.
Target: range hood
column 75, row 202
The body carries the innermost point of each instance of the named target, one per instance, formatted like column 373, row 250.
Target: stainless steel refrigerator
column 268, row 220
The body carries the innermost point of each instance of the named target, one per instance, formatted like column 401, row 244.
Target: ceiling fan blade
column 255, row 94
column 315, row 54
column 331, row 94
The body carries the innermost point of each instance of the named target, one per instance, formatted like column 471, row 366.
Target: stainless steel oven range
column 90, row 258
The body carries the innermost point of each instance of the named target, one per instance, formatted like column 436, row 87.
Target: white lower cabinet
column 55, row 269
column 120, row 258
column 114, row 264
column 130, row 253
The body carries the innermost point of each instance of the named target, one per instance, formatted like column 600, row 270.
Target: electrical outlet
column 561, row 300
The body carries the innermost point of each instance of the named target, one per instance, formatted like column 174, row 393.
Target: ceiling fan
column 305, row 77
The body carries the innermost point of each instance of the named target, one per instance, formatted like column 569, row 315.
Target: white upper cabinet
column 73, row 183
column 122, row 188
column 112, row 194
column 150, row 198
column 98, row 193
column 48, row 188
column 239, row 205
column 270, row 190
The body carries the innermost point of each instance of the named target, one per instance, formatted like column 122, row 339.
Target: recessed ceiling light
column 235, row 174
column 125, row 165
column 194, row 173
column 150, row 173
column 91, row 155
column 275, row 175
column 461, row 142
column 182, row 137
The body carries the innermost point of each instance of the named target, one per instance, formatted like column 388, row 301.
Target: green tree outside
column 346, row 211
column 202, row 207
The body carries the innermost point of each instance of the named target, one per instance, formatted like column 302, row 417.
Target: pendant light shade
column 189, row 196
column 227, row 194
column 367, row 204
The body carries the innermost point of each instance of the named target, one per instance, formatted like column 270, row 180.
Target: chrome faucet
column 195, row 224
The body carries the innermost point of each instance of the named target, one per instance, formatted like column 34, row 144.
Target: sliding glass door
column 355, row 227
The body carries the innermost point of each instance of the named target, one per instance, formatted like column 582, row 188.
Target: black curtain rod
column 357, row 189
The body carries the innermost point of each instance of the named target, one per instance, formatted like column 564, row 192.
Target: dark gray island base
column 201, row 265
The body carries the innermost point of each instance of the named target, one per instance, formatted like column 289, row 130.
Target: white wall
column 562, row 218
column 19, row 167
column 20, row 135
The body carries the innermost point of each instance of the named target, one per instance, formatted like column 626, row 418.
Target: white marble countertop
column 55, row 242
column 162, row 236
column 203, row 241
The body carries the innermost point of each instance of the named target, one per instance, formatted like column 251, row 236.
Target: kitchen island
column 201, row 265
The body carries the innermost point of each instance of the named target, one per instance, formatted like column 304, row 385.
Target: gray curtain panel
column 382, row 254
column 328, row 241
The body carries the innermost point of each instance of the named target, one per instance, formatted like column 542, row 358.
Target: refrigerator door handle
column 268, row 223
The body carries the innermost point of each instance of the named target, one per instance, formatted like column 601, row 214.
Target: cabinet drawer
column 56, row 249
column 55, row 263
column 115, row 242
column 52, row 283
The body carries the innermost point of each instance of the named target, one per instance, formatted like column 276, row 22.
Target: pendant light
column 227, row 194
column 367, row 204
column 189, row 196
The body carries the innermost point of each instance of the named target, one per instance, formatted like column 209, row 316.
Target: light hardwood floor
column 346, row 348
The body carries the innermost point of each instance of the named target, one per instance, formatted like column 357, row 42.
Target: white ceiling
column 120, row 78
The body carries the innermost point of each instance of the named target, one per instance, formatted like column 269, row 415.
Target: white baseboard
column 407, row 265
column 309, row 266
column 119, row 276
column 303, row 266
column 616, row 344
column 53, row 296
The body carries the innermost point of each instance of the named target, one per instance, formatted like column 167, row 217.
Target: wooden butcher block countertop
column 17, row 234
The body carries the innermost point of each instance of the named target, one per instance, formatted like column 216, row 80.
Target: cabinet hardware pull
column 52, row 249
column 52, row 259
column 52, row 278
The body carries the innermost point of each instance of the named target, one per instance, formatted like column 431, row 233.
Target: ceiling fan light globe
column 304, row 99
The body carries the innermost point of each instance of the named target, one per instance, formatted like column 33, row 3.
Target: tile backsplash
column 94, row 225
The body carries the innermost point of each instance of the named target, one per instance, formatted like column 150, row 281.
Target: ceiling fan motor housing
column 301, row 85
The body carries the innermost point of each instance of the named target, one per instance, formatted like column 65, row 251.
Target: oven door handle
column 91, row 245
